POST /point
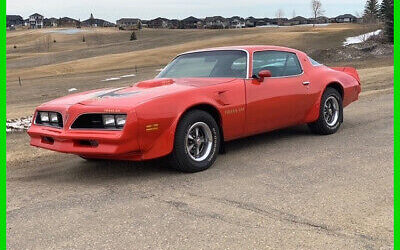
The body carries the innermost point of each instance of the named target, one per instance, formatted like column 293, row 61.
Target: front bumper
column 81, row 142
column 92, row 143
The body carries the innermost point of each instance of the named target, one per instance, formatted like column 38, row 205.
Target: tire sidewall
column 328, row 93
column 180, row 152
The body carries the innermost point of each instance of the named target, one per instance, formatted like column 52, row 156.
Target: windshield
column 223, row 63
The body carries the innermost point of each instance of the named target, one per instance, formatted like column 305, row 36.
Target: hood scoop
column 154, row 83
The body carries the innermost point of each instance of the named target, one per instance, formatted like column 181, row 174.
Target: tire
column 329, row 119
column 197, row 142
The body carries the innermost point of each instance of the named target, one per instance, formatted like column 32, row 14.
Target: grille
column 93, row 121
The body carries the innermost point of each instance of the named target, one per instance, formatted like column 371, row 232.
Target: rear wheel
column 330, row 113
column 196, row 144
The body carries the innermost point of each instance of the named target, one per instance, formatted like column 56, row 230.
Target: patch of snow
column 360, row 38
column 111, row 79
column 66, row 31
column 125, row 76
column 72, row 89
column 21, row 124
column 298, row 25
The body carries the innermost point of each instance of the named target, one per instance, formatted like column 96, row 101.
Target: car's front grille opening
column 98, row 121
column 88, row 143
column 47, row 140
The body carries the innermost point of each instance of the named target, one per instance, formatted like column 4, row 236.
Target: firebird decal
column 114, row 94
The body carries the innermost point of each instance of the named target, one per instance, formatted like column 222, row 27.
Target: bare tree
column 294, row 14
column 279, row 15
column 316, row 7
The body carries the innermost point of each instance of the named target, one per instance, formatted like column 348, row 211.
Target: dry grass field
column 51, row 61
column 286, row 189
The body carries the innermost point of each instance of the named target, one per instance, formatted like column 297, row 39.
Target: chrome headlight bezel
column 49, row 118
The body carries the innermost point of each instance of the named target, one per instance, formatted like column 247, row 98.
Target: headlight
column 53, row 117
column 120, row 120
column 44, row 116
column 114, row 121
column 108, row 120
column 49, row 119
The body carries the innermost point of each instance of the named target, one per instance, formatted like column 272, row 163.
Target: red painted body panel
column 244, row 107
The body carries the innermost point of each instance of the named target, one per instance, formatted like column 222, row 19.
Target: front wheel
column 197, row 140
column 330, row 113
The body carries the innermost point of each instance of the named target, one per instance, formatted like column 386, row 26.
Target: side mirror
column 263, row 74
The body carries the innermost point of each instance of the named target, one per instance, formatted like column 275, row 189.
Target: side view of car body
column 199, row 101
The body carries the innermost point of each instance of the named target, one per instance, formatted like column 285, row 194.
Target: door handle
column 306, row 83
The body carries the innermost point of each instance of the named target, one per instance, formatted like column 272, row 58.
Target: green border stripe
column 3, row 125
column 396, row 127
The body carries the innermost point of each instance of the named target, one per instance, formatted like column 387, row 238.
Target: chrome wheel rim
column 331, row 111
column 199, row 141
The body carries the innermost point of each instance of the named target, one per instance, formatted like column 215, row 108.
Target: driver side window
column 279, row 63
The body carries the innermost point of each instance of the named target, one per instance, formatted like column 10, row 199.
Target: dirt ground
column 283, row 190
column 286, row 189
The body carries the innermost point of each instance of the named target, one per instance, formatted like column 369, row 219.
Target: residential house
column 174, row 24
column 95, row 22
column 36, row 21
column 346, row 18
column 158, row 23
column 320, row 20
column 129, row 23
column 298, row 20
column 50, row 22
column 145, row 23
column 263, row 21
column 216, row 22
column 68, row 22
column 14, row 21
column 191, row 23
column 279, row 21
column 236, row 22
column 250, row 21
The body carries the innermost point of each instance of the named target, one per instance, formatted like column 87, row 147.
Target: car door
column 280, row 100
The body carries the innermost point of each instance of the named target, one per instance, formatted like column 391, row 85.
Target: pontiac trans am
column 200, row 100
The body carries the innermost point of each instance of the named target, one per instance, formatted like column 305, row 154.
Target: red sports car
column 199, row 101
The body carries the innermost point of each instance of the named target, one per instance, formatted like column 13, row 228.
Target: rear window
column 313, row 62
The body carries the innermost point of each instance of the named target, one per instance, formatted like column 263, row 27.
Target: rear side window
column 279, row 63
column 313, row 62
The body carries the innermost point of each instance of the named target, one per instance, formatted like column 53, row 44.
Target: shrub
column 133, row 36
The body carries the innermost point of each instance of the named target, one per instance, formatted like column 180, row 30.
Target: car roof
column 248, row 48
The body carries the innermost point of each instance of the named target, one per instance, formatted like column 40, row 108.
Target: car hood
column 137, row 93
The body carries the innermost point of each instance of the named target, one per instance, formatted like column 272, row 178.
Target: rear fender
column 313, row 114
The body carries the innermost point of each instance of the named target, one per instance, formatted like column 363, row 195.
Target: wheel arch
column 213, row 111
column 313, row 114
column 335, row 85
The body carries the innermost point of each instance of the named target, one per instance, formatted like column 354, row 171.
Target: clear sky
column 112, row 10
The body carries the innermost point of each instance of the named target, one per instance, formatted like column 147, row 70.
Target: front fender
column 157, row 122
